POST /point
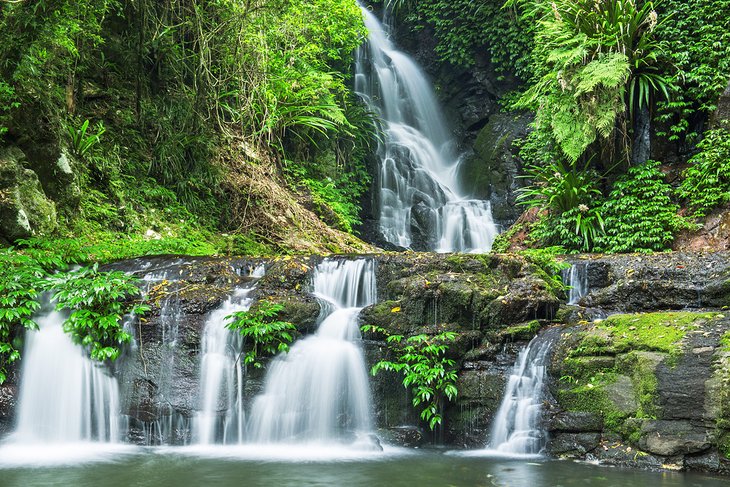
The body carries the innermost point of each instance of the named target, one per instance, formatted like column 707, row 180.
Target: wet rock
column 669, row 438
column 491, row 172
column 662, row 282
column 573, row 444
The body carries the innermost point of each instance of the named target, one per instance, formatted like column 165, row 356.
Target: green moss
column 659, row 332
column 593, row 397
column 525, row 331
column 583, row 368
column 725, row 342
column 642, row 366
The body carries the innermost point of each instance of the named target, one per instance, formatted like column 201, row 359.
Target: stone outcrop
column 647, row 389
column 25, row 210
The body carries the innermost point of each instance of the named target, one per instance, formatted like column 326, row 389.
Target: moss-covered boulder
column 656, row 380
column 24, row 208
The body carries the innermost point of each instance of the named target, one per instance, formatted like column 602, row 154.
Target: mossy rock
column 523, row 331
column 25, row 210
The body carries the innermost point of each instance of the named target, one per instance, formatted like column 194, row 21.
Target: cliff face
column 654, row 382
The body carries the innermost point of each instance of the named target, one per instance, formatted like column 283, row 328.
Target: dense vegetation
column 159, row 103
column 606, row 80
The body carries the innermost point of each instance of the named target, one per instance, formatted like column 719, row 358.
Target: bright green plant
column 568, row 196
column 548, row 267
column 465, row 29
column 697, row 41
column 421, row 360
column 639, row 213
column 594, row 61
column 263, row 335
column 97, row 302
column 7, row 103
column 82, row 141
column 706, row 183
column 21, row 279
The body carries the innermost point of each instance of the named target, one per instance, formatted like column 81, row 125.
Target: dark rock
column 491, row 171
column 24, row 208
column 573, row 444
column 669, row 438
column 662, row 282
column 618, row 454
column 407, row 436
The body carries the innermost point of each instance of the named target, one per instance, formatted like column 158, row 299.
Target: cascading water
column 319, row 392
column 221, row 418
column 577, row 278
column 516, row 426
column 418, row 164
column 64, row 396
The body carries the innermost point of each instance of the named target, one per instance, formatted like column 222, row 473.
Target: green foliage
column 263, row 335
column 706, row 183
column 421, row 360
column 569, row 195
column 697, row 40
column 82, row 141
column 7, row 103
column 20, row 282
column 97, row 302
column 639, row 213
column 548, row 267
column 591, row 61
column 464, row 29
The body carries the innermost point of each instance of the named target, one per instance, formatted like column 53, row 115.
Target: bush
column 639, row 213
column 706, row 183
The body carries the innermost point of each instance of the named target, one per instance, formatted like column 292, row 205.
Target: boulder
column 25, row 210
column 668, row 438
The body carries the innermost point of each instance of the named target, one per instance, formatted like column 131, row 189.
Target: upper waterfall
column 418, row 179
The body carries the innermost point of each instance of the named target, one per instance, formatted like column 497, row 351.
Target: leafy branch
column 421, row 360
column 262, row 333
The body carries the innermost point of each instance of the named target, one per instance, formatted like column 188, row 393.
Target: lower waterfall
column 319, row 391
column 516, row 427
column 64, row 396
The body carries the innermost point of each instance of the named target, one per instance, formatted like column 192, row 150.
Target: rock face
column 623, row 283
column 24, row 208
column 655, row 382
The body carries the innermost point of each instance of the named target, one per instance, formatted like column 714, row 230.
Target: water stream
column 221, row 418
column 319, row 391
column 64, row 396
column 418, row 180
column 576, row 277
column 516, row 427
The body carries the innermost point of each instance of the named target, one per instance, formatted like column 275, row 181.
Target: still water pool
column 276, row 466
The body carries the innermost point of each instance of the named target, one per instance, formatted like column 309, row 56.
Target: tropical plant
column 706, row 183
column 639, row 213
column 569, row 197
column 21, row 280
column 421, row 360
column 263, row 335
column 594, row 61
column 97, row 302
column 697, row 41
column 81, row 140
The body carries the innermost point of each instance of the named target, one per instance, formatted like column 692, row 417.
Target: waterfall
column 319, row 391
column 418, row 176
column 65, row 397
column 221, row 374
column 516, row 426
column 577, row 278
